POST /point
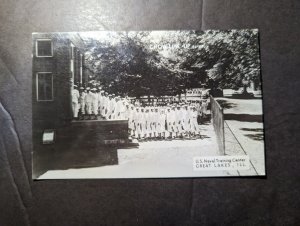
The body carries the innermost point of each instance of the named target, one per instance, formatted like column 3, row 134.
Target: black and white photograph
column 147, row 104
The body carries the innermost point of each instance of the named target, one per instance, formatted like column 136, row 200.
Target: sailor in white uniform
column 143, row 123
column 173, row 122
column 100, row 101
column 178, row 121
column 147, row 123
column 105, row 99
column 95, row 102
column 75, row 101
column 156, row 121
column 194, row 124
column 162, row 123
column 169, row 116
column 117, row 108
column 137, row 122
column 131, row 113
column 82, row 101
column 110, row 107
column 186, row 120
column 88, row 101
column 152, row 122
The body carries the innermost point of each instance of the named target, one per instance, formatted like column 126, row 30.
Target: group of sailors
column 144, row 122
column 176, row 121
column 94, row 102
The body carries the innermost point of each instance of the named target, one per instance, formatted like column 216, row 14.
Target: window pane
column 44, row 86
column 44, row 48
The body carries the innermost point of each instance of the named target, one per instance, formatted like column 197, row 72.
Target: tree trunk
column 245, row 89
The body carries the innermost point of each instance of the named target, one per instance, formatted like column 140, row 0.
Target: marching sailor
column 137, row 122
column 194, row 124
column 131, row 122
column 169, row 122
column 82, row 101
column 178, row 121
column 110, row 107
column 173, row 122
column 105, row 99
column 88, row 101
column 95, row 102
column 162, row 123
column 156, row 120
column 75, row 101
column 142, row 119
column 147, row 124
column 186, row 120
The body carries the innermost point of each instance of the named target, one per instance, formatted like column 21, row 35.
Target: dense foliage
column 160, row 63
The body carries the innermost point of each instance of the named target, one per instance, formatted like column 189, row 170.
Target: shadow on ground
column 225, row 104
column 253, row 129
column 244, row 117
column 240, row 96
column 64, row 156
column 257, row 137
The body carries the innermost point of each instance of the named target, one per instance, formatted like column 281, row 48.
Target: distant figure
column 194, row 124
column 204, row 108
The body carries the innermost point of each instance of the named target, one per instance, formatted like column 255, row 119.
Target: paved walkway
column 153, row 159
column 244, row 133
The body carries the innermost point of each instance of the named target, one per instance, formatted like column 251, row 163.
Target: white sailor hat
column 88, row 88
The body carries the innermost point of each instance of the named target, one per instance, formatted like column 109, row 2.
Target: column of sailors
column 170, row 121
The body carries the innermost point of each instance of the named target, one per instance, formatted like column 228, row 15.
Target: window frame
column 37, row 87
column 43, row 40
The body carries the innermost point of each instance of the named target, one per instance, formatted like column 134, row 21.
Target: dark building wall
column 57, row 112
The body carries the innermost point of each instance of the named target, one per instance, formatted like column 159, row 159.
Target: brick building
column 57, row 63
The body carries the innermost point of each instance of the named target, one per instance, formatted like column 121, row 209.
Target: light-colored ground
column 245, row 137
column 243, row 132
column 174, row 158
column 241, row 106
column 153, row 159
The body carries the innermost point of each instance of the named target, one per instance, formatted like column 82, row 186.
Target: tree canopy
column 169, row 62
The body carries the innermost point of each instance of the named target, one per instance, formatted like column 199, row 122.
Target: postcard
column 147, row 104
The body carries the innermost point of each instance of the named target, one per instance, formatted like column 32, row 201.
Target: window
column 44, row 86
column 44, row 48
